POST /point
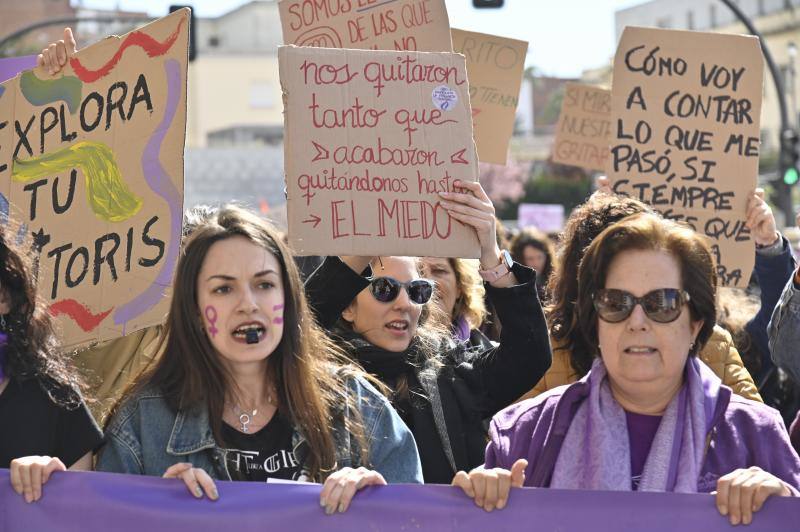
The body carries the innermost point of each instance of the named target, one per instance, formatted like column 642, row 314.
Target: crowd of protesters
column 375, row 370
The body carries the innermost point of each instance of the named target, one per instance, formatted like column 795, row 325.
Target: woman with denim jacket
column 442, row 389
column 248, row 387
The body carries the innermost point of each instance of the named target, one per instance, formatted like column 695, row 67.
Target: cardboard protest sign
column 685, row 116
column 91, row 172
column 546, row 217
column 583, row 132
column 415, row 25
column 494, row 66
column 371, row 137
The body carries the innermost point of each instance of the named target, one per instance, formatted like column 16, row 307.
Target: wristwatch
column 499, row 271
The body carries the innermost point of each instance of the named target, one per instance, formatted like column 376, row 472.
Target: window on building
column 261, row 95
column 689, row 20
column 712, row 16
column 664, row 22
column 213, row 41
column 762, row 10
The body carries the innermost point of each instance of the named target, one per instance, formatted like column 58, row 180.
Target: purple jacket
column 743, row 433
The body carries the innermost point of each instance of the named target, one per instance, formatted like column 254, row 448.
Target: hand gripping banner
column 95, row 502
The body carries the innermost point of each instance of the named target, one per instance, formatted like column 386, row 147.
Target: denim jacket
column 784, row 331
column 146, row 436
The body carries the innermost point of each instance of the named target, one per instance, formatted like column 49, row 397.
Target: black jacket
column 472, row 385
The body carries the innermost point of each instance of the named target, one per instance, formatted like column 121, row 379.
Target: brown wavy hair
column 651, row 232
column 585, row 223
column 32, row 349
column 470, row 303
column 308, row 371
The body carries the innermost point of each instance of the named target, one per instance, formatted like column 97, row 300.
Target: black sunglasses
column 386, row 289
column 663, row 305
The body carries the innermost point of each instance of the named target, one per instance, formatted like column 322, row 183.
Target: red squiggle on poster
column 79, row 313
column 152, row 47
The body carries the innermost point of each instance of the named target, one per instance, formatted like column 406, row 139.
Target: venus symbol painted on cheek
column 279, row 318
column 211, row 316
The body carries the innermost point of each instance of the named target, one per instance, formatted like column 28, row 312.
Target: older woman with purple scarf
column 649, row 416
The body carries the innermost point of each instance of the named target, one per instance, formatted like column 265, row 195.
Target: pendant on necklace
column 245, row 419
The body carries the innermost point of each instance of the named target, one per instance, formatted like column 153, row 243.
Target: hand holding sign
column 476, row 210
column 54, row 57
column 761, row 220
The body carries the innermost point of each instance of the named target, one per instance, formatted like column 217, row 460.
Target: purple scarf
column 461, row 329
column 596, row 454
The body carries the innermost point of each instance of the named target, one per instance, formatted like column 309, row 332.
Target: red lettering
column 335, row 219
column 327, row 74
column 406, row 118
column 353, row 117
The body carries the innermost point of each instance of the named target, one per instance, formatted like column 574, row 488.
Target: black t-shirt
column 265, row 454
column 32, row 424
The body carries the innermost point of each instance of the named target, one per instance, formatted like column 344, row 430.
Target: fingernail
column 723, row 510
column 746, row 520
column 734, row 520
column 322, row 503
column 342, row 507
column 214, row 493
column 445, row 194
column 198, row 492
column 329, row 510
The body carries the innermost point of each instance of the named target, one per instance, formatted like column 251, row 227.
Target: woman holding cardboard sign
column 648, row 416
column 379, row 308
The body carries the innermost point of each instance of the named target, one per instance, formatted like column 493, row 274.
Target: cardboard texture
column 415, row 25
column 91, row 175
column 546, row 217
column 494, row 67
column 685, row 116
column 583, row 132
column 371, row 137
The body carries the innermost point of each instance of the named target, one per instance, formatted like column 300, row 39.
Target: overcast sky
column 565, row 36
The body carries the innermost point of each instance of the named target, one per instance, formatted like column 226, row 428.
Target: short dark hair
column 651, row 232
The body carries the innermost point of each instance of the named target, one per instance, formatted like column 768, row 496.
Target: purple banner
column 98, row 502
column 11, row 66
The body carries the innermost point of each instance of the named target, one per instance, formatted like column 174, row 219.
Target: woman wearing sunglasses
column 648, row 416
column 379, row 310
